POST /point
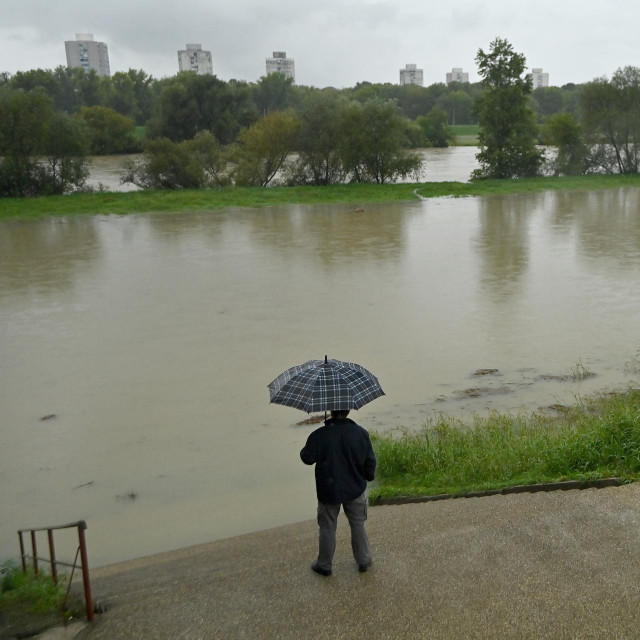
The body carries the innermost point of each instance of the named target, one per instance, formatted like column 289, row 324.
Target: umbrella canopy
column 327, row 385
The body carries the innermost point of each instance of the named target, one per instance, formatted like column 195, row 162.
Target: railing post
column 52, row 557
column 82, row 525
column 24, row 561
column 34, row 548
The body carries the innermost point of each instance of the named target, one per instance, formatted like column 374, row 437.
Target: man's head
column 340, row 413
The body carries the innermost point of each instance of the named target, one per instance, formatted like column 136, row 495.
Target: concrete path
column 546, row 565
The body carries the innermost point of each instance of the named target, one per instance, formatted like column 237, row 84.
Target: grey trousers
column 356, row 512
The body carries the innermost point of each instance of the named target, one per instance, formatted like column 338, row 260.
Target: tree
column 611, row 120
column 572, row 157
column 373, row 143
column 42, row 152
column 435, row 130
column 109, row 132
column 264, row 147
column 458, row 106
column 507, row 138
column 318, row 143
column 274, row 92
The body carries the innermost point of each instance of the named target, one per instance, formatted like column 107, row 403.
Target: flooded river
column 151, row 339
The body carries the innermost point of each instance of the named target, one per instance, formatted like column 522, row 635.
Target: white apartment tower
column 193, row 58
column 281, row 64
column 539, row 78
column 86, row 53
column 411, row 75
column 457, row 75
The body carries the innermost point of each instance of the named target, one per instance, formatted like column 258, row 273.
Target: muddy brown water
column 147, row 342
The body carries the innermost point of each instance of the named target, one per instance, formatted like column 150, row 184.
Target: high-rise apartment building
column 281, row 64
column 88, row 54
column 411, row 75
column 539, row 78
column 457, row 75
column 193, row 58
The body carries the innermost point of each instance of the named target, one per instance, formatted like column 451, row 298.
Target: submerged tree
column 572, row 157
column 611, row 119
column 507, row 137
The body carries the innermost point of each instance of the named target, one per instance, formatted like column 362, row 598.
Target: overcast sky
column 333, row 42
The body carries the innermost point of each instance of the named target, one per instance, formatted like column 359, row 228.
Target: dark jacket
column 344, row 459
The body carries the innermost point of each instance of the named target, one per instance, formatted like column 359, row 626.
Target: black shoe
column 362, row 568
column 322, row 572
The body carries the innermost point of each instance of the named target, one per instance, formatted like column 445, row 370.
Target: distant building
column 411, row 75
column 281, row 64
column 193, row 58
column 457, row 75
column 539, row 78
column 86, row 53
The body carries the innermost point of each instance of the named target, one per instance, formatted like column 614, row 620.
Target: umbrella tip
column 325, row 359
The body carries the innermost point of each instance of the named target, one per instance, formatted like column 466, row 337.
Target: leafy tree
column 611, row 120
column 435, row 129
column 458, row 106
column 548, row 100
column 318, row 145
column 274, row 92
column 64, row 151
column 109, row 132
column 42, row 152
column 373, row 143
column 507, row 138
column 169, row 165
column 572, row 158
column 264, row 147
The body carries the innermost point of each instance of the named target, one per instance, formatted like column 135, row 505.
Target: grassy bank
column 465, row 135
column 598, row 438
column 242, row 197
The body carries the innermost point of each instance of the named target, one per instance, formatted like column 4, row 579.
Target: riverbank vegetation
column 356, row 195
column 599, row 437
column 32, row 603
column 51, row 120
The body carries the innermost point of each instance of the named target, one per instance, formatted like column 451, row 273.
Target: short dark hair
column 340, row 413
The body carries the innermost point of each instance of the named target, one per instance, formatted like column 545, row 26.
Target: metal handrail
column 82, row 551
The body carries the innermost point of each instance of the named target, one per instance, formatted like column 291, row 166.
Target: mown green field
column 357, row 195
column 465, row 135
column 597, row 438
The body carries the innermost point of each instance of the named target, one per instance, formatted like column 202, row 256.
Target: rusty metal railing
column 81, row 551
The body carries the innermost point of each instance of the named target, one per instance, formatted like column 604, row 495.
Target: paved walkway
column 564, row 564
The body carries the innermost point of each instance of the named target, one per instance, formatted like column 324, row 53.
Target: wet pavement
column 561, row 564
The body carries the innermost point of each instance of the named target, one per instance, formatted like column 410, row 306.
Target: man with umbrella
column 345, row 461
column 341, row 449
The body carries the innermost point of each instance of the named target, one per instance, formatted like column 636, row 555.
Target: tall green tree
column 318, row 143
column 507, row 138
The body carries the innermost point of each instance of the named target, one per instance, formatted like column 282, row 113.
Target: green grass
column 32, row 603
column 465, row 135
column 246, row 197
column 598, row 438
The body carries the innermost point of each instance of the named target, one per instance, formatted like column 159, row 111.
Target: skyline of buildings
column 194, row 58
column 87, row 53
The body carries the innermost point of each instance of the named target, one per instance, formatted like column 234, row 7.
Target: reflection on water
column 152, row 339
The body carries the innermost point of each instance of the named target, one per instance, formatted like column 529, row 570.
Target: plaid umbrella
column 325, row 386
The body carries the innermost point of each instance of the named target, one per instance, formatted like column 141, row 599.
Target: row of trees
column 178, row 107
column 336, row 140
